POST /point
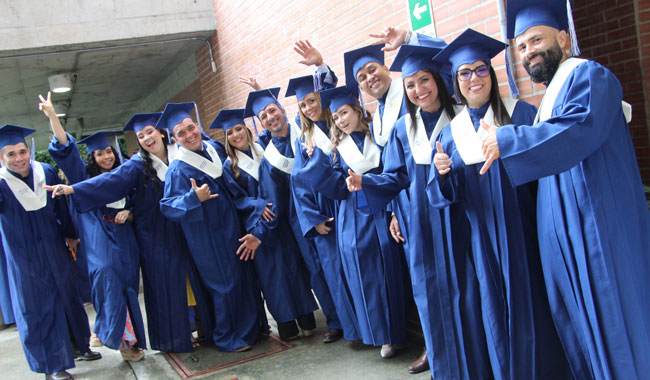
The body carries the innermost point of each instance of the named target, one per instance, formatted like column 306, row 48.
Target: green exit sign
column 420, row 14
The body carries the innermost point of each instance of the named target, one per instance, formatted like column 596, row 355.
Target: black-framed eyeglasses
column 466, row 74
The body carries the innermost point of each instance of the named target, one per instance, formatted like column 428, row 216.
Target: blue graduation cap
column 258, row 100
column 301, row 87
column 98, row 141
column 356, row 59
column 13, row 134
column 412, row 58
column 227, row 119
column 336, row 97
column 141, row 120
column 524, row 14
column 469, row 47
column 174, row 114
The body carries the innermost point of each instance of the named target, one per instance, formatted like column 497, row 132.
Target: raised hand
column 395, row 231
column 249, row 245
column 310, row 55
column 203, row 192
column 268, row 214
column 309, row 149
column 323, row 228
column 392, row 37
column 490, row 147
column 251, row 81
column 46, row 105
column 59, row 189
column 353, row 181
column 441, row 160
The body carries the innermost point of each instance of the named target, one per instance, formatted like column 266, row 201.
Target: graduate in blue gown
column 593, row 220
column 34, row 228
column 372, row 263
column 280, row 269
column 165, row 259
column 439, row 257
column 196, row 195
column 107, row 240
column 522, row 340
column 276, row 166
column 5, row 296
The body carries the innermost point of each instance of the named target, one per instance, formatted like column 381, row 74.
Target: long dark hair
column 91, row 165
column 149, row 172
column 446, row 101
column 501, row 116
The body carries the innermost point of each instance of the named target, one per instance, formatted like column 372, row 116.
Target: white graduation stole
column 251, row 165
column 322, row 141
column 158, row 165
column 212, row 168
column 30, row 200
column 382, row 125
column 276, row 159
column 469, row 142
column 421, row 146
column 552, row 91
column 357, row 161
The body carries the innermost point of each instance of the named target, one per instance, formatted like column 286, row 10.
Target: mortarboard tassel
column 32, row 154
column 363, row 104
column 119, row 151
column 575, row 49
column 514, row 90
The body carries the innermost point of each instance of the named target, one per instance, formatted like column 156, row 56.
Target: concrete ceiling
column 110, row 82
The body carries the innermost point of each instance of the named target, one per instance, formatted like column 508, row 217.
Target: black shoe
column 61, row 375
column 332, row 335
column 88, row 356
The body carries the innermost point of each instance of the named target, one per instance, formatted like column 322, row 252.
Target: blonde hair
column 307, row 126
column 336, row 135
column 232, row 152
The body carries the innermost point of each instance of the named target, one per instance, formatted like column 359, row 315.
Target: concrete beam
column 34, row 25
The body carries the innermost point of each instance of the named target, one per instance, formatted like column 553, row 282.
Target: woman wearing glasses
column 521, row 339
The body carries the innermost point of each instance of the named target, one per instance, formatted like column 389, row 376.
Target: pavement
column 309, row 358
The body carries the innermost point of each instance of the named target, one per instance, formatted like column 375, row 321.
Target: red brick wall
column 259, row 41
column 608, row 32
column 256, row 38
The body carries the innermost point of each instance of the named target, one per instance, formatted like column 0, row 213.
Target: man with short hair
column 196, row 195
column 593, row 220
column 48, row 308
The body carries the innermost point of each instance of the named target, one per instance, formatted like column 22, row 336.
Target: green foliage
column 44, row 156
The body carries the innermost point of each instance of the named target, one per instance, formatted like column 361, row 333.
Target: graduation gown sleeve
column 381, row 189
column 327, row 178
column 105, row 188
column 179, row 204
column 590, row 106
column 68, row 158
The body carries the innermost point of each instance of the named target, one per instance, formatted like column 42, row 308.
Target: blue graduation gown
column 113, row 257
column 278, row 262
column 323, row 259
column 5, row 296
column 371, row 260
column 212, row 229
column 593, row 224
column 46, row 303
column 164, row 257
column 439, row 261
column 512, row 318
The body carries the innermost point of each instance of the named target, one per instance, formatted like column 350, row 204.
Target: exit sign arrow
column 418, row 10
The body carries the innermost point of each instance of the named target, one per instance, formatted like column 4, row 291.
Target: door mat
column 207, row 359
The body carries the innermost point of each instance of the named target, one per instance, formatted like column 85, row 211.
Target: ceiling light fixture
column 60, row 83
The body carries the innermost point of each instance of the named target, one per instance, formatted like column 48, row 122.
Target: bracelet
column 407, row 38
